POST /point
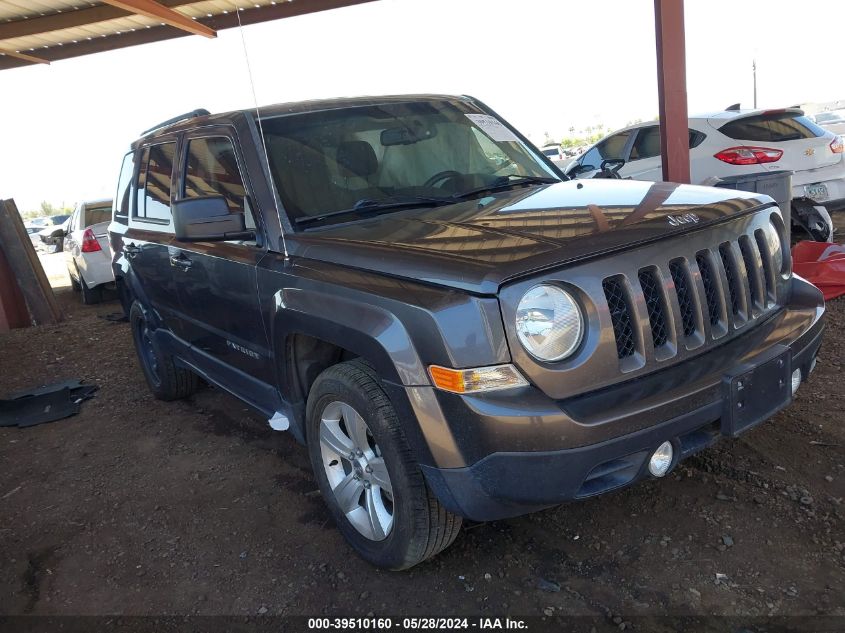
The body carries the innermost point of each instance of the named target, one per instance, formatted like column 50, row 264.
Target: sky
column 544, row 65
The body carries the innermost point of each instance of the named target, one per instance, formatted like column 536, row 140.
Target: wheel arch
column 312, row 331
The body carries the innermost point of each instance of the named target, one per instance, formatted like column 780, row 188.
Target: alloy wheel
column 356, row 471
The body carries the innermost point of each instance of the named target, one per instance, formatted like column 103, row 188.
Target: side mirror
column 577, row 168
column 208, row 220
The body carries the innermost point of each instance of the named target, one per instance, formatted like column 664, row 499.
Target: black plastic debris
column 47, row 403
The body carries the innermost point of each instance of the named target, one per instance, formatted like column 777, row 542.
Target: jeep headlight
column 549, row 323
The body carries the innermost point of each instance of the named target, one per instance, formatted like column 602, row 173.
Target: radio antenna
column 261, row 130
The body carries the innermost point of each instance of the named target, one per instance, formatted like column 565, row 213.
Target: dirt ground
column 137, row 506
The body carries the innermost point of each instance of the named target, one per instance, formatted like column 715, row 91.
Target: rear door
column 149, row 237
column 645, row 162
column 217, row 281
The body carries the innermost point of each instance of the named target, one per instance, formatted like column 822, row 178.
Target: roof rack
column 188, row 115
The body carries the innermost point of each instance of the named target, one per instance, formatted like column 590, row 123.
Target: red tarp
column 822, row 264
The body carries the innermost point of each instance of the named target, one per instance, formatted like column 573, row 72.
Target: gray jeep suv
column 453, row 328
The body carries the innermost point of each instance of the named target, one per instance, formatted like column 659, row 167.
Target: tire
column 419, row 526
column 90, row 296
column 73, row 283
column 166, row 380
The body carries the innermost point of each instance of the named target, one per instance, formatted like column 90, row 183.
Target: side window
column 647, row 144
column 696, row 138
column 154, row 183
column 592, row 158
column 122, row 200
column 211, row 169
column 610, row 148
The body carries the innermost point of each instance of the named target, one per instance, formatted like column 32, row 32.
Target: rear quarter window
column 96, row 215
column 775, row 127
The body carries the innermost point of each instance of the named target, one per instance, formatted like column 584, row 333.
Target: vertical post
column 754, row 71
column 672, row 89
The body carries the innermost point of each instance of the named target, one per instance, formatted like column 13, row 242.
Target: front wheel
column 367, row 474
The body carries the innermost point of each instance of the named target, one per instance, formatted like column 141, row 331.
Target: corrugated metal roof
column 50, row 30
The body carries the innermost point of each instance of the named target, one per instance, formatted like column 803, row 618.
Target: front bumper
column 683, row 405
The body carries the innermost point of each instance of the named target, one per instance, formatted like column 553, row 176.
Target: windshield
column 370, row 156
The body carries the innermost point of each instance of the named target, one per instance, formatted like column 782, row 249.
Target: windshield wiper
column 367, row 206
column 505, row 182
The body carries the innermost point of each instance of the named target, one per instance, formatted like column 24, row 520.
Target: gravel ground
column 137, row 507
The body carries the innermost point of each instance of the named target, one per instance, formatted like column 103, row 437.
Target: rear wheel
column 74, row 284
column 166, row 380
column 367, row 474
column 90, row 296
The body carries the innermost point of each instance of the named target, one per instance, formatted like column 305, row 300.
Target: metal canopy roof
column 42, row 31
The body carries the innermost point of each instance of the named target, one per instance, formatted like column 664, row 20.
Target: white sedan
column 735, row 142
column 87, row 250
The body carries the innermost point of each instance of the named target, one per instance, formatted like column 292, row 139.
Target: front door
column 217, row 281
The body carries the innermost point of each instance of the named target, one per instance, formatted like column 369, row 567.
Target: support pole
column 672, row 89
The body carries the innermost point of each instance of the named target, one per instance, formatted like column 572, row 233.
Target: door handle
column 180, row 261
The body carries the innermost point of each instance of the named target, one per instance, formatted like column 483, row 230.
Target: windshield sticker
column 492, row 127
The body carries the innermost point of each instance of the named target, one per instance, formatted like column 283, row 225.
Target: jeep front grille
column 653, row 294
column 683, row 287
column 768, row 271
column 692, row 300
column 712, row 297
column 620, row 315
column 732, row 277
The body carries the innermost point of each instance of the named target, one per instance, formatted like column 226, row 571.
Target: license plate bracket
column 756, row 390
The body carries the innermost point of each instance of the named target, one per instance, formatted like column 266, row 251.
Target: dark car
column 54, row 235
column 453, row 328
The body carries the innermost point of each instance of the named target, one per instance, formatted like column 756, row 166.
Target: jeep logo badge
column 686, row 218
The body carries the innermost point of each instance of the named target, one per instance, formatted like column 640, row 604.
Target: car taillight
column 89, row 242
column 836, row 145
column 749, row 155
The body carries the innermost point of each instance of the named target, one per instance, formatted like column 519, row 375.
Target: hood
column 477, row 245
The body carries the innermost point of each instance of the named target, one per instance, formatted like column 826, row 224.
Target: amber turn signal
column 476, row 380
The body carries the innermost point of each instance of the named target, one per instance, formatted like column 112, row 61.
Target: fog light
column 661, row 459
column 796, row 380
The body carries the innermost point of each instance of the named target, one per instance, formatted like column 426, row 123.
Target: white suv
column 734, row 143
